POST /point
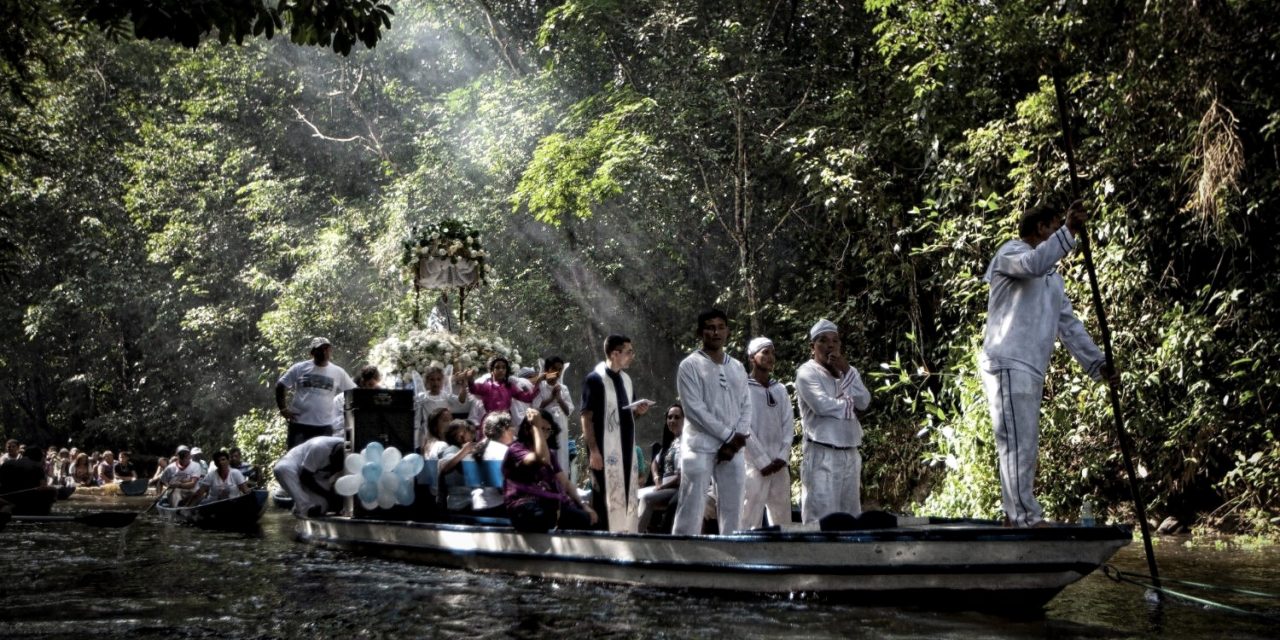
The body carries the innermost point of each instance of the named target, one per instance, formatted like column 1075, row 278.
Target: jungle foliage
column 175, row 222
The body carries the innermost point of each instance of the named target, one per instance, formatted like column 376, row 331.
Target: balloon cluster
column 381, row 477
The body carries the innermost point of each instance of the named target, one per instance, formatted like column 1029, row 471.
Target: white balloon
column 388, row 482
column 348, row 485
column 353, row 463
column 369, row 505
column 387, row 498
column 390, row 458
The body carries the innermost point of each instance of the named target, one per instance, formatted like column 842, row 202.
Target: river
column 161, row 580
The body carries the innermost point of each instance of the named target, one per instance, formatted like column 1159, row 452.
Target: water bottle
column 1086, row 513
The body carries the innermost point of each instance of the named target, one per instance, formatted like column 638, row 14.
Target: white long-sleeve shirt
column 1028, row 308
column 715, row 400
column 828, row 405
column 772, row 425
column 561, row 415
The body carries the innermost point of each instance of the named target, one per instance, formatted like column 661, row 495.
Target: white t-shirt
column 314, row 389
column 220, row 489
column 173, row 474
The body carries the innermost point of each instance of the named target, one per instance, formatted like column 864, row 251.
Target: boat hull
column 961, row 565
column 234, row 514
column 135, row 487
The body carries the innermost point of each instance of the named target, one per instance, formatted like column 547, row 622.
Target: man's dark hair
column 551, row 361
column 709, row 315
column 1029, row 223
column 223, row 454
column 613, row 343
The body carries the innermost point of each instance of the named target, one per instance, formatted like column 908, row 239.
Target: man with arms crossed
column 829, row 392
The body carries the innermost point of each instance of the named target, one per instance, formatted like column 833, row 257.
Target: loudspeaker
column 383, row 415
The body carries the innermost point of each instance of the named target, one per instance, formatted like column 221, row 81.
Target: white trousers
column 287, row 474
column 1014, row 399
column 766, row 493
column 650, row 499
column 831, row 482
column 697, row 471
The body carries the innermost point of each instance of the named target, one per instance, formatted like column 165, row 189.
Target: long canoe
column 233, row 514
column 31, row 502
column 968, row 564
column 135, row 487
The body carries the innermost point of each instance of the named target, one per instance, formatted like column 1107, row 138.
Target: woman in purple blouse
column 538, row 496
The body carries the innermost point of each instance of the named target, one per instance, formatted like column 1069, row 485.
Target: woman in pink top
column 496, row 392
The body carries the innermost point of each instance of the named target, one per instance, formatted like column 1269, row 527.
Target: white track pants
column 287, row 474
column 1014, row 399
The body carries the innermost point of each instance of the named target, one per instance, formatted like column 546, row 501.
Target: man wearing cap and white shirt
column 829, row 393
column 768, row 479
column 181, row 476
column 314, row 384
column 717, row 425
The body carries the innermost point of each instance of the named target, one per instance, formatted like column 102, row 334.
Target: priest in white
column 830, row 393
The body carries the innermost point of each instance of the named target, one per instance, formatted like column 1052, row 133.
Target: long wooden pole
column 1125, row 446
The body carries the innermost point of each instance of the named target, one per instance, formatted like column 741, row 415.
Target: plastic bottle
column 1086, row 513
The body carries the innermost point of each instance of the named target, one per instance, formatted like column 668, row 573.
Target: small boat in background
column 65, row 491
column 31, row 502
column 282, row 500
column 233, row 514
column 134, row 487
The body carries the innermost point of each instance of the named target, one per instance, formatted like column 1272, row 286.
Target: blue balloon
column 404, row 493
column 373, row 451
column 368, row 492
column 371, row 472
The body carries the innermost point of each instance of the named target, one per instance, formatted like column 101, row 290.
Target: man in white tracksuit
column 717, row 412
column 829, row 393
column 308, row 472
column 1027, row 310
column 768, row 481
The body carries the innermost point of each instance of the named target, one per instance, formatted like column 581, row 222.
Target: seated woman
column 666, row 472
column 221, row 483
column 161, row 463
column 81, row 471
column 432, row 443
column 458, row 447
column 496, row 392
column 538, row 496
column 499, row 433
column 434, row 397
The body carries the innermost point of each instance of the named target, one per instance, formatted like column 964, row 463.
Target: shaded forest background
column 176, row 222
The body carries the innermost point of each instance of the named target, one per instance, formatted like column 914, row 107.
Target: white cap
column 757, row 345
column 823, row 326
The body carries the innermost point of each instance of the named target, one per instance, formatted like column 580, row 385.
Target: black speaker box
column 384, row 416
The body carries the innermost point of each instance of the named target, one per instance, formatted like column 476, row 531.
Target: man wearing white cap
column 181, row 476
column 829, row 393
column 314, row 383
column 1027, row 311
column 717, row 425
column 768, row 479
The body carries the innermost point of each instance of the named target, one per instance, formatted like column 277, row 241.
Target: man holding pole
column 1027, row 311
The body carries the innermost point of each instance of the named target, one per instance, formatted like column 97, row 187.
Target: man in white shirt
column 829, row 393
column 307, row 472
column 181, row 476
column 314, row 384
column 717, row 412
column 768, row 478
column 1027, row 312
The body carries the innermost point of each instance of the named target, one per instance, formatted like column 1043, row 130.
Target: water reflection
column 159, row 579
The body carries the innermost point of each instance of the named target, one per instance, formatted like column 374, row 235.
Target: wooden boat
column 134, row 487
column 233, row 514
column 949, row 563
column 31, row 502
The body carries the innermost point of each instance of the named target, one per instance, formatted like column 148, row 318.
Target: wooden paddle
column 1126, row 448
column 105, row 519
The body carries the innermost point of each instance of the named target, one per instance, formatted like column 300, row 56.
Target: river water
column 155, row 579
